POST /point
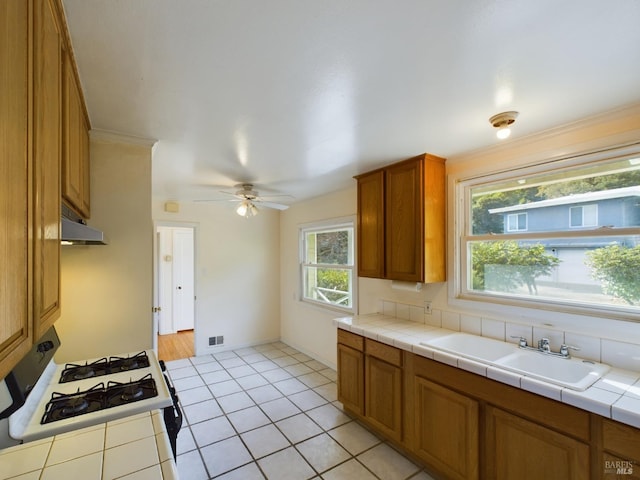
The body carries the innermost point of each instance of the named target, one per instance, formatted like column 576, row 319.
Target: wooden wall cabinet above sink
column 401, row 221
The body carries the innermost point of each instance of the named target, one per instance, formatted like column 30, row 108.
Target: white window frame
column 517, row 215
column 327, row 226
column 459, row 293
column 583, row 224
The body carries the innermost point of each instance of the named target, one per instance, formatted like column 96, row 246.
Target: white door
column 183, row 291
column 175, row 279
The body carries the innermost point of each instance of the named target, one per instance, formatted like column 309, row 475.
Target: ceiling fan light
column 243, row 208
column 253, row 210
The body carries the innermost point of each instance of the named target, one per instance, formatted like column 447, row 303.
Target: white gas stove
column 49, row 399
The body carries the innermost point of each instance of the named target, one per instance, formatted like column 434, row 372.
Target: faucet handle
column 564, row 349
column 522, row 342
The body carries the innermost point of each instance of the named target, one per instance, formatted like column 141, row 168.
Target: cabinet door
column 371, row 225
column 85, row 167
column 404, row 219
column 15, row 314
column 351, row 378
column 446, row 430
column 621, row 443
column 47, row 120
column 75, row 152
column 383, row 396
column 518, row 448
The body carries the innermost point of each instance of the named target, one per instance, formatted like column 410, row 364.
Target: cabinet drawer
column 622, row 440
column 384, row 352
column 351, row 340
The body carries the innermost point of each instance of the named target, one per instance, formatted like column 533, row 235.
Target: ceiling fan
column 248, row 198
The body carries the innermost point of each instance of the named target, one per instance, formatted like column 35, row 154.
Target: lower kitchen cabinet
column 351, row 378
column 466, row 426
column 351, row 371
column 383, row 393
column 445, row 429
column 519, row 448
column 621, row 451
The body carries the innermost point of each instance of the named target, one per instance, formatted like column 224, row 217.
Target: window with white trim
column 517, row 222
column 584, row 216
column 327, row 264
column 516, row 247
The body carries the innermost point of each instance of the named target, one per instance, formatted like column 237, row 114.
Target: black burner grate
column 73, row 372
column 115, row 394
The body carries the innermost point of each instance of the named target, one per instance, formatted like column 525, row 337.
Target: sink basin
column 573, row 373
column 477, row 348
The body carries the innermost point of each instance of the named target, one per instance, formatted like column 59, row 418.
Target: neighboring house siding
column 611, row 213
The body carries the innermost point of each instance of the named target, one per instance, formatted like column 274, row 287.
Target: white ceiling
column 298, row 96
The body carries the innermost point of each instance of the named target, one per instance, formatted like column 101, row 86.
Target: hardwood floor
column 175, row 346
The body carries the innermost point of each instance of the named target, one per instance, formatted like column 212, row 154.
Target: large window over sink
column 327, row 264
column 562, row 234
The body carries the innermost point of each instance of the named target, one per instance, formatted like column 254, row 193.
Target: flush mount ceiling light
column 502, row 121
column 247, row 209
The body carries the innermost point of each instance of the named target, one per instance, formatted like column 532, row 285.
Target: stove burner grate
column 63, row 406
column 73, row 372
column 115, row 394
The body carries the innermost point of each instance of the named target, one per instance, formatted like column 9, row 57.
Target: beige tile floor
column 272, row 412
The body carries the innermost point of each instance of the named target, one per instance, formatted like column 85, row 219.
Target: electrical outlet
column 427, row 307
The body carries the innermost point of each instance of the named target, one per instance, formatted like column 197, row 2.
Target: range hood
column 78, row 233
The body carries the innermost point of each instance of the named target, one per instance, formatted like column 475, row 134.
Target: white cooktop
column 25, row 424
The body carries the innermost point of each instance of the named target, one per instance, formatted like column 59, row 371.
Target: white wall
column 310, row 329
column 237, row 272
column 106, row 290
column 303, row 326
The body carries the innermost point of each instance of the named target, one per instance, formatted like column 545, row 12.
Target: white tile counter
column 616, row 395
column 132, row 448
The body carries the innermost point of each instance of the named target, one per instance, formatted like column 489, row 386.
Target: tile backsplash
column 614, row 353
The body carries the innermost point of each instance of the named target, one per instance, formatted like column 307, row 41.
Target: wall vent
column 216, row 340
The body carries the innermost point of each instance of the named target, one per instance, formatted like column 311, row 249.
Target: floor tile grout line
column 323, row 430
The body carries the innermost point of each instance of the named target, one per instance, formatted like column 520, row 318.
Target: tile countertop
column 135, row 447
column 616, row 395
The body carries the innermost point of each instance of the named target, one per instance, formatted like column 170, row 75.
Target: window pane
column 328, row 285
column 590, row 215
column 576, row 216
column 605, row 194
column 588, row 270
column 330, row 247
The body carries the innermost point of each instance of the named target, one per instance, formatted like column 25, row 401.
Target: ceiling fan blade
column 277, row 206
column 217, row 200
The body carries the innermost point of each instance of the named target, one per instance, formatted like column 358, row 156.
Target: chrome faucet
column 545, row 347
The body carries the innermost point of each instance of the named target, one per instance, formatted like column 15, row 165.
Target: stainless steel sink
column 573, row 373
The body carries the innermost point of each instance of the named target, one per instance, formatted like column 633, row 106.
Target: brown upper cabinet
column 47, row 67
column 401, row 221
column 75, row 152
column 34, row 136
column 15, row 187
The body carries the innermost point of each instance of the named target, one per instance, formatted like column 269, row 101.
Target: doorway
column 174, row 291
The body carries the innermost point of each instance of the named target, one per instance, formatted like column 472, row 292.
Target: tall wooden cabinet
column 401, row 221
column 34, row 39
column 47, row 120
column 15, row 185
